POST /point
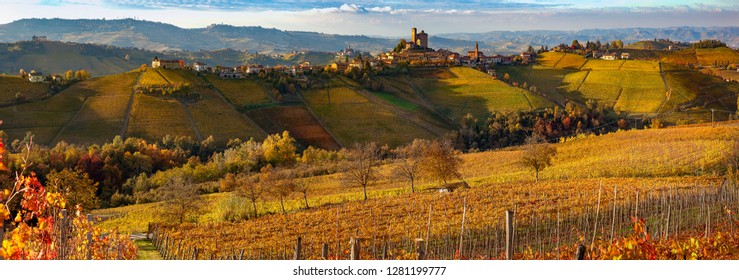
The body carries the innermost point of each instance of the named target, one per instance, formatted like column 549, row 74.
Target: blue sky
column 391, row 17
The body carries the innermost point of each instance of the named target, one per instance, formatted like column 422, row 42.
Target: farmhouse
column 167, row 64
column 36, row 77
column 230, row 74
column 199, row 66
column 625, row 56
column 609, row 56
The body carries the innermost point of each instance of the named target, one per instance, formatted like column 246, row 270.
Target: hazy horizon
column 391, row 19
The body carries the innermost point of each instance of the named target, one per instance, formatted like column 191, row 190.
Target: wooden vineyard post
column 324, row 251
column 63, row 235
column 580, row 255
column 421, row 248
column 298, row 248
column 356, row 248
column 2, row 234
column 195, row 253
column 613, row 215
column 89, row 236
column 509, row 234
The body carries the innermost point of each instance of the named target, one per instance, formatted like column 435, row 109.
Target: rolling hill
column 158, row 36
column 57, row 57
column 657, row 84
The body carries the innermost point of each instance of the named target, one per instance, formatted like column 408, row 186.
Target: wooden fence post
column 509, row 216
column 324, row 251
column 298, row 248
column 580, row 252
column 421, row 248
column 89, row 236
column 2, row 234
column 63, row 236
column 356, row 248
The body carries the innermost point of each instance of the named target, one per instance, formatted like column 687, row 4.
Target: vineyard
column 472, row 91
column 99, row 119
column 351, row 118
column 549, row 219
column 150, row 114
column 298, row 121
column 588, row 197
column 14, row 89
column 240, row 92
column 213, row 116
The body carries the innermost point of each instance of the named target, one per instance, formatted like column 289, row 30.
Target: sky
column 391, row 18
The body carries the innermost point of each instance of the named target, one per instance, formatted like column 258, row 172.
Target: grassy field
column 474, row 92
column 101, row 118
column 240, row 92
column 396, row 101
column 152, row 118
column 648, row 161
column 350, row 117
column 214, row 117
column 298, row 121
column 10, row 86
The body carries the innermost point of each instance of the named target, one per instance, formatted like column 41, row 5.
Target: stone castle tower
column 420, row 40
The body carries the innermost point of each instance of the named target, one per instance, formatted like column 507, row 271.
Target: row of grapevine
column 470, row 228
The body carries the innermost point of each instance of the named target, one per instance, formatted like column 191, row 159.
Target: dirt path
column 59, row 134
column 129, row 108
column 667, row 86
column 191, row 120
column 146, row 250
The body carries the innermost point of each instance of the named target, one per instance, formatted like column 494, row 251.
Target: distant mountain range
column 515, row 39
column 156, row 36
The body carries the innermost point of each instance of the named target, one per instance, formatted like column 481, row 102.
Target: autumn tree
column 409, row 160
column 181, row 197
column 537, row 154
column 362, row 164
column 82, row 75
column 302, row 181
column 277, row 183
column 279, row 149
column 75, row 186
column 441, row 161
column 249, row 188
column 69, row 75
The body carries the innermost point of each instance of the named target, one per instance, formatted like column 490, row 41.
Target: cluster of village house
column 416, row 52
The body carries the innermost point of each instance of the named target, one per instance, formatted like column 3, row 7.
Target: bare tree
column 302, row 181
column 410, row 157
column 250, row 188
column 362, row 161
column 181, row 197
column 276, row 182
column 441, row 161
column 537, row 154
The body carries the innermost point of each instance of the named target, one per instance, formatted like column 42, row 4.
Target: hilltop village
column 413, row 52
